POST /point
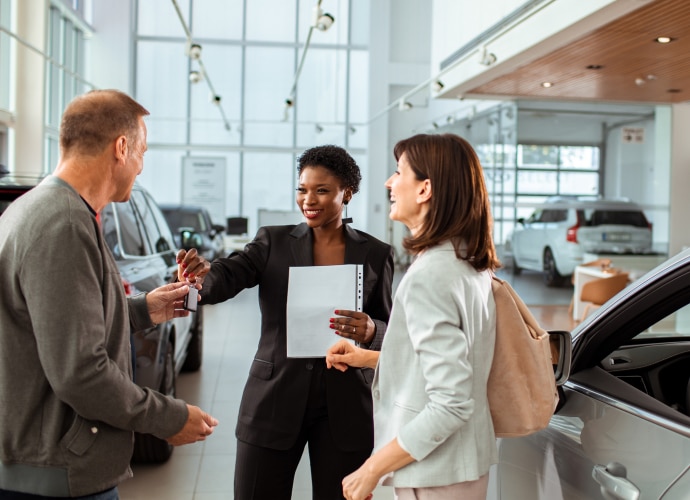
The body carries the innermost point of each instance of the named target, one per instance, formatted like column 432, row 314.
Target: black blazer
column 275, row 396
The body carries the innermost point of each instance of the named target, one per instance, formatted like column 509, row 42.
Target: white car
column 555, row 237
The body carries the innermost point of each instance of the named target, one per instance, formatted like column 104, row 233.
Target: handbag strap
column 535, row 330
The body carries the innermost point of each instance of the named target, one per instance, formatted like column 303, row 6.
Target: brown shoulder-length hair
column 459, row 208
column 94, row 120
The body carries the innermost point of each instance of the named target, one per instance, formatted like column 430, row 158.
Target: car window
column 554, row 215
column 157, row 241
column 177, row 219
column 617, row 217
column 676, row 324
column 163, row 226
column 131, row 232
column 535, row 217
column 202, row 223
column 109, row 229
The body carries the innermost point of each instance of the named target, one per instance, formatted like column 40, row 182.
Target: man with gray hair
column 68, row 405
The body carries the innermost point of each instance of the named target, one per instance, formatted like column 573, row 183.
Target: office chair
column 598, row 291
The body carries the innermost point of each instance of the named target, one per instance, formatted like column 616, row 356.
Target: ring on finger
column 354, row 329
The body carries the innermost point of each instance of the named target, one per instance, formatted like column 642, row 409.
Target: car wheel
column 551, row 277
column 148, row 448
column 195, row 348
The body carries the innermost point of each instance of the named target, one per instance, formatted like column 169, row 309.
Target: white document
column 314, row 293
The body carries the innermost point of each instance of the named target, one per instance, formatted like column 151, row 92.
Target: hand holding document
column 314, row 293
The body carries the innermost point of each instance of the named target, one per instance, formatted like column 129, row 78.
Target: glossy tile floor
column 204, row 471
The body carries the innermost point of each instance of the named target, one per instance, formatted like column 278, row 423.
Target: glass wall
column 552, row 170
column 234, row 102
column 5, row 16
column 65, row 69
column 520, row 176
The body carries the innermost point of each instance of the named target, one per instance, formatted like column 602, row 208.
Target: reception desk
column 635, row 265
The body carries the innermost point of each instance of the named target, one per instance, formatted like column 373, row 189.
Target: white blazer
column 429, row 389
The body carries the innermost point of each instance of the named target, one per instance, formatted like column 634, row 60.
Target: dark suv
column 142, row 243
column 182, row 217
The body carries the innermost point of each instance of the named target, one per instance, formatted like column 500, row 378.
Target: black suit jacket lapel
column 302, row 246
column 355, row 247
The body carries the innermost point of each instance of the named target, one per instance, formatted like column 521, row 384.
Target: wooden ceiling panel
column 626, row 50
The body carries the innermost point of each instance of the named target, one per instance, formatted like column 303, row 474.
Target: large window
column 65, row 68
column 250, row 63
column 5, row 15
column 551, row 170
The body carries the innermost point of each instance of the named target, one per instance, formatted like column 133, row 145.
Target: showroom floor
column 204, row 471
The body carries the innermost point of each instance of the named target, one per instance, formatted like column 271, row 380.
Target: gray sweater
column 68, row 405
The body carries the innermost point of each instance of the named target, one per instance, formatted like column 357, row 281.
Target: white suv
column 555, row 237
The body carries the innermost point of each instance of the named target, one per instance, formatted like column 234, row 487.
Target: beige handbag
column 522, row 386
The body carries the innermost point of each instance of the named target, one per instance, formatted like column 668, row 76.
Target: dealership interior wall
column 404, row 44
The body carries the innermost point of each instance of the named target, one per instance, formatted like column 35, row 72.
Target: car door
column 161, row 244
column 623, row 427
column 527, row 242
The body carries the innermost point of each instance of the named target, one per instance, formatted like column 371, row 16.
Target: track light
column 215, row 100
column 195, row 76
column 194, row 51
column 322, row 20
column 487, row 58
column 437, row 86
column 404, row 105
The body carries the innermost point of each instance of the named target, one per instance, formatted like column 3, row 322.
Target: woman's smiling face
column 321, row 197
column 405, row 191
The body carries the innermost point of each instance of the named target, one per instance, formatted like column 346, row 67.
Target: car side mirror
column 561, row 345
column 190, row 239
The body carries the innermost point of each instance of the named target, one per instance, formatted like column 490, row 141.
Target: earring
column 346, row 219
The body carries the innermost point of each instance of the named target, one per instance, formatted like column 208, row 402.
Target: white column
column 680, row 179
column 31, row 16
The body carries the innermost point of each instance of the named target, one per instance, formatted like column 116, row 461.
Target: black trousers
column 267, row 474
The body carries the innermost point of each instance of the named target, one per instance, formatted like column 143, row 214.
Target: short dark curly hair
column 336, row 160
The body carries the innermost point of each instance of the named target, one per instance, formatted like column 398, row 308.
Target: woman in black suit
column 291, row 402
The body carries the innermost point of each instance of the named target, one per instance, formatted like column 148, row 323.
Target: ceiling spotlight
column 195, row 76
column 325, row 21
column 289, row 103
column 194, row 51
column 546, row 85
column 322, row 20
column 437, row 86
column 215, row 100
column 487, row 58
column 404, row 105
column 664, row 39
column 640, row 81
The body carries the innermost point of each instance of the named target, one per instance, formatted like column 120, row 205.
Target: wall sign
column 203, row 184
column 633, row 135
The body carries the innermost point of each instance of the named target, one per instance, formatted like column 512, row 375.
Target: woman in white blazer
column 434, row 438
